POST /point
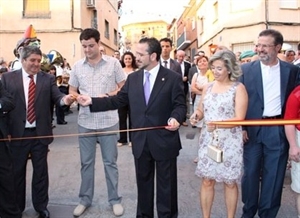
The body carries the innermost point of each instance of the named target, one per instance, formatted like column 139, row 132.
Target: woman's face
column 128, row 60
column 220, row 71
column 202, row 64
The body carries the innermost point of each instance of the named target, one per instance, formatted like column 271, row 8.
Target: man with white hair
column 297, row 60
column 185, row 67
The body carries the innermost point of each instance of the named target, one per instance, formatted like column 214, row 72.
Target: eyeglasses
column 139, row 55
column 263, row 46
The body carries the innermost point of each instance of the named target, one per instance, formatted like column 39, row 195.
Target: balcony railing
column 183, row 41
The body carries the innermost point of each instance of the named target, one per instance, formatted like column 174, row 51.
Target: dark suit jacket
column 7, row 105
column 167, row 100
column 187, row 67
column 192, row 71
column 175, row 66
column 46, row 91
column 252, row 79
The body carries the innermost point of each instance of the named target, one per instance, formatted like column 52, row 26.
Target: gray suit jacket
column 46, row 92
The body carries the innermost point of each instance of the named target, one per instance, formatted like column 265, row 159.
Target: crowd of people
column 150, row 89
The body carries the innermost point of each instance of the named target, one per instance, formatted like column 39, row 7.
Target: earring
column 229, row 72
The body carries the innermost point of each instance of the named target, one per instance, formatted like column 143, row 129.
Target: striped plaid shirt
column 93, row 81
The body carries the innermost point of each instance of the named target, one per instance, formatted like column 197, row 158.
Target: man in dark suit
column 155, row 150
column 32, row 119
column 185, row 67
column 165, row 59
column 269, row 82
column 8, row 197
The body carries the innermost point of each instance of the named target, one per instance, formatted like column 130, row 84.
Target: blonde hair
column 230, row 62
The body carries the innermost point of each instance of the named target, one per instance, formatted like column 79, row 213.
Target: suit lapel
column 140, row 86
column 172, row 64
column 39, row 84
column 256, row 72
column 19, row 83
column 284, row 75
column 160, row 81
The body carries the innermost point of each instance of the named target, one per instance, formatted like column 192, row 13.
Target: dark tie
column 166, row 64
column 147, row 90
column 31, row 94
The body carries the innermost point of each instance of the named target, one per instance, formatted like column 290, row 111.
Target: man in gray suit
column 32, row 120
column 269, row 82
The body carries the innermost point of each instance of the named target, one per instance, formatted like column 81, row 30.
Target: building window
column 289, row 4
column 94, row 22
column 216, row 11
column 36, row 8
column 240, row 6
column 116, row 37
column 106, row 33
column 244, row 46
column 201, row 27
column 193, row 23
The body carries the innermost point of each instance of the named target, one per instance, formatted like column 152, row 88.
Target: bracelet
column 107, row 94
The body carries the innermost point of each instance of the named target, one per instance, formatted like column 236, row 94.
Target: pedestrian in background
column 130, row 66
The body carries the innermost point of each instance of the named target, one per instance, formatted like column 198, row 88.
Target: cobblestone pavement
column 64, row 171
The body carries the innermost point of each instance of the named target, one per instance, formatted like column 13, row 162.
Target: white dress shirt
column 271, row 89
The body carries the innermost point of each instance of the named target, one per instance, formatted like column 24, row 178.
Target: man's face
column 266, row 49
column 90, row 48
column 180, row 57
column 32, row 64
column 142, row 56
column 117, row 55
column 166, row 49
column 290, row 56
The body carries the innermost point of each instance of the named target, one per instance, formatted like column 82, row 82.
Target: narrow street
column 64, row 172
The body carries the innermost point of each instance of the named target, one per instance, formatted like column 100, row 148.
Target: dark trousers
column 267, row 155
column 123, row 115
column 60, row 114
column 8, row 198
column 40, row 180
column 166, row 186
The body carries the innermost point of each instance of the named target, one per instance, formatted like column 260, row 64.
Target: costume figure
column 30, row 39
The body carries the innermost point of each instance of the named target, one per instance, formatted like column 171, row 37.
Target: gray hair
column 230, row 62
column 29, row 50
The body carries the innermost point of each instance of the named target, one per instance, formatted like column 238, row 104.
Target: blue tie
column 147, row 90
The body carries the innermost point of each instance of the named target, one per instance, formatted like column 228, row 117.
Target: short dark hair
column 298, row 47
column 154, row 46
column 278, row 38
column 89, row 33
column 166, row 40
column 29, row 50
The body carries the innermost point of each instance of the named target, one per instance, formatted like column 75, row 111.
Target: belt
column 30, row 128
column 273, row 117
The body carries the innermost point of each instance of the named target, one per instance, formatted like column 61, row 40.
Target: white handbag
column 214, row 151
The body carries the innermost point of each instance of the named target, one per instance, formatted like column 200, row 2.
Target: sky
column 148, row 10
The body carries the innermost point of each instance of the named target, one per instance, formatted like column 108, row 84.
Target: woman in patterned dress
column 222, row 99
